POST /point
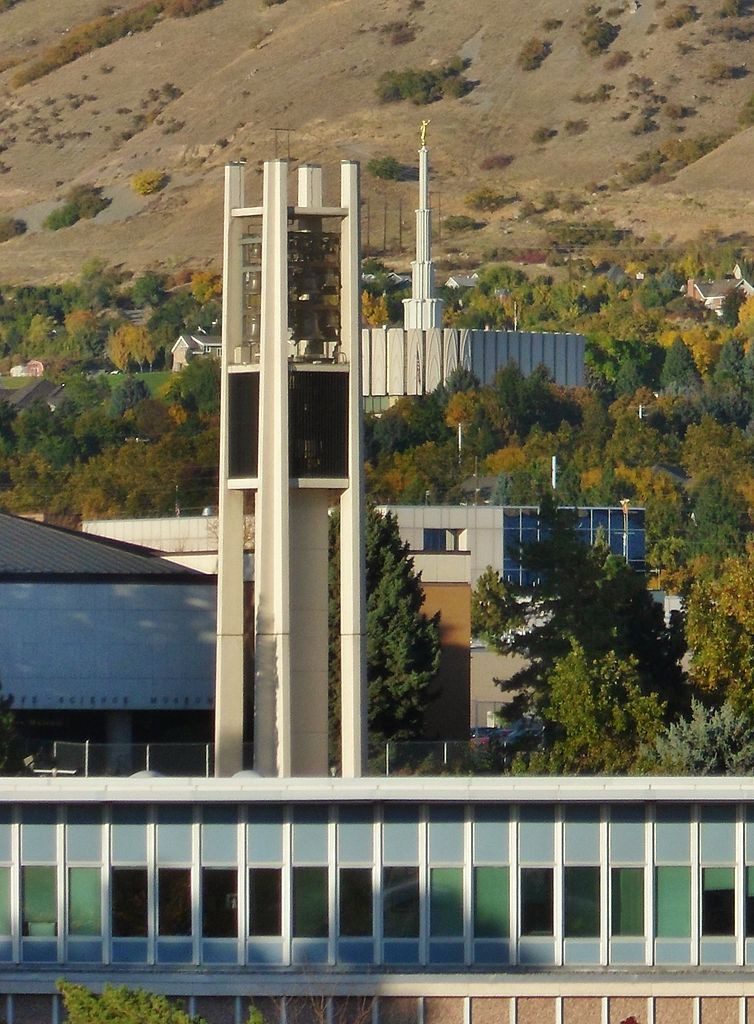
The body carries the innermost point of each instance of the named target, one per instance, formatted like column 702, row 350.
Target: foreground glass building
column 471, row 896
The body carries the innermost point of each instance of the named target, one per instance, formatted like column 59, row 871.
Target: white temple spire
column 423, row 310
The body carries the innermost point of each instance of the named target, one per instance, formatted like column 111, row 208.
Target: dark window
column 536, row 901
column 356, row 901
column 243, row 405
column 718, row 901
column 400, row 902
column 129, row 902
column 264, row 901
column 318, row 423
column 174, row 901
column 219, row 903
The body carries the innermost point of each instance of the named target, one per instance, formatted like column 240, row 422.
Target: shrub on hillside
column 81, row 203
column 459, row 222
column 616, row 60
column 187, row 8
column 533, row 53
column 746, row 116
column 682, row 14
column 145, row 183
column 597, row 34
column 543, row 134
column 424, row 86
column 386, row 167
column 600, row 94
column 577, row 127
column 496, row 162
column 551, row 24
column 486, row 200
column 11, row 228
column 732, row 9
column 670, row 157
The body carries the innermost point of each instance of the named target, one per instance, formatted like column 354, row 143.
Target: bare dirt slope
column 193, row 93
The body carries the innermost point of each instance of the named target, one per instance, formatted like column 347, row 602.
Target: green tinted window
column 5, row 928
column 673, row 902
column 446, row 901
column 627, row 901
column 84, row 901
column 39, row 901
column 310, row 902
column 491, row 902
column 581, row 902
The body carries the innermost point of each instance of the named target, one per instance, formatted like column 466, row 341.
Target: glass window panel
column 491, row 903
column 718, row 835
column 400, row 902
column 356, row 834
column 174, row 834
column 355, row 902
column 38, row 834
column 5, row 833
column 174, row 901
column 627, row 901
column 536, row 834
column 84, row 901
column 718, row 901
column 536, row 901
column 749, row 903
column 84, row 833
column 582, row 835
column 400, row 835
column 219, row 903
column 672, row 835
column 265, row 834
column 627, row 832
column 5, row 925
column 491, row 835
column 129, row 902
column 265, row 915
column 446, row 902
column 219, row 835
column 39, row 901
column 129, row 835
column 581, row 902
column 310, row 835
column 446, row 834
column 673, row 902
column 310, row 902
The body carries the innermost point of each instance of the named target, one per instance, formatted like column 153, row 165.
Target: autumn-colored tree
column 82, row 328
column 205, row 286
column 374, row 311
column 720, row 632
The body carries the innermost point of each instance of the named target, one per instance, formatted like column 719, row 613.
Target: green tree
column 403, row 646
column 589, row 597
column 716, row 529
column 603, row 714
column 119, row 1005
column 713, row 741
column 679, row 372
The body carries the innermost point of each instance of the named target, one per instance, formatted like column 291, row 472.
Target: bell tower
column 290, row 433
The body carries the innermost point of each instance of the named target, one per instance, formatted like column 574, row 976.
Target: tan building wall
column 448, row 714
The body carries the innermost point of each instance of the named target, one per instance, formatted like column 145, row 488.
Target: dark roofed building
column 102, row 640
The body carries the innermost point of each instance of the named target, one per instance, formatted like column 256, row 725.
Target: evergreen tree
column 119, row 1005
column 586, row 596
column 729, row 372
column 679, row 372
column 716, row 531
column 714, row 741
column 403, row 646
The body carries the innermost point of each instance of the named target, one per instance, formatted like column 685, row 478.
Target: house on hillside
column 34, row 368
column 457, row 281
column 712, row 294
column 188, row 346
column 36, row 391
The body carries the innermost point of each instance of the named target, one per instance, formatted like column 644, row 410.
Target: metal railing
column 121, row 759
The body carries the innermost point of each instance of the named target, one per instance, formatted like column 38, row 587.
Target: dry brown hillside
column 192, row 93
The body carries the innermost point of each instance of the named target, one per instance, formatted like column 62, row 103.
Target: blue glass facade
column 623, row 531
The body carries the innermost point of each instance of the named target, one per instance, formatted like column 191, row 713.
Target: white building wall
column 69, row 646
